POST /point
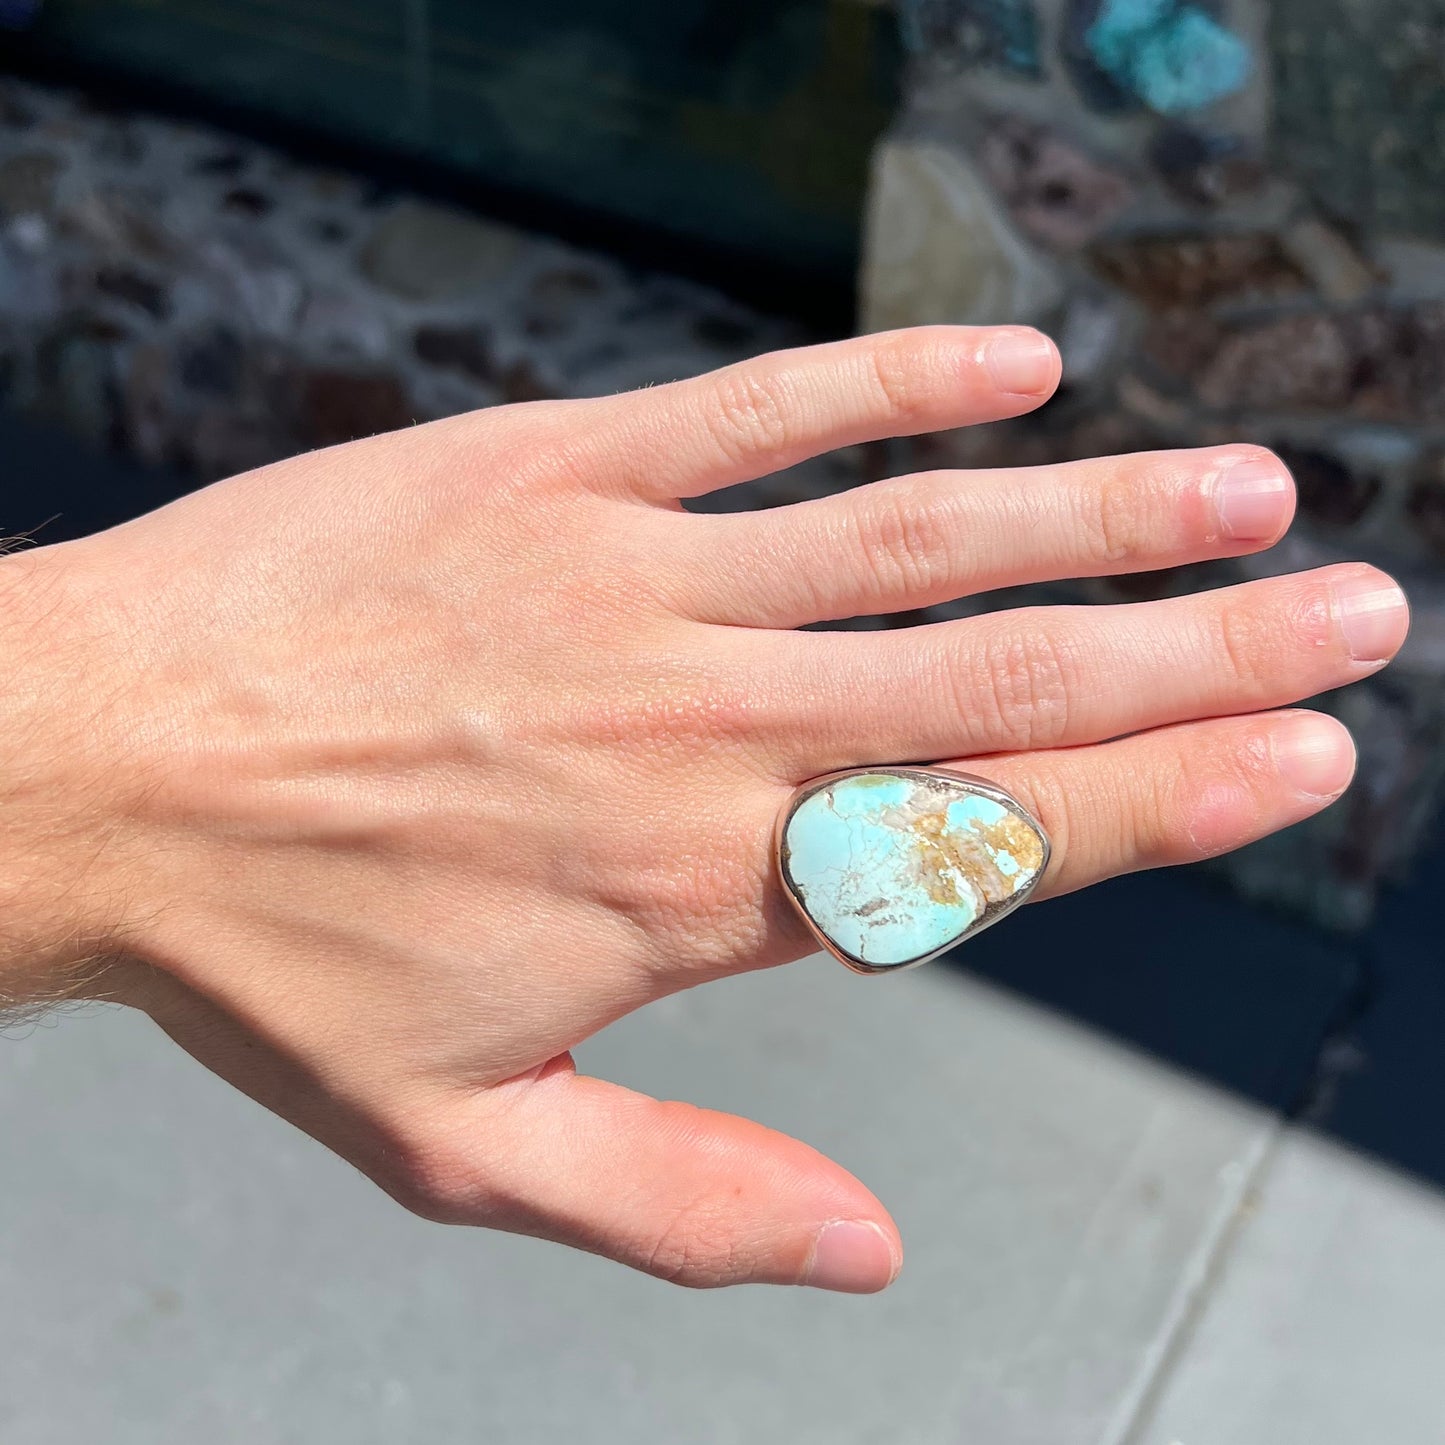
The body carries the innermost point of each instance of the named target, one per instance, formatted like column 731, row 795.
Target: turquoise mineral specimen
column 1173, row 56
column 892, row 868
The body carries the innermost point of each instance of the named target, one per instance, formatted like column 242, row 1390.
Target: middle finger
column 915, row 541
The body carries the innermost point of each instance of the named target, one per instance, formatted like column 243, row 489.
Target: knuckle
column 1247, row 640
column 1312, row 617
column 1250, row 761
column 1057, row 808
column 896, row 371
column 695, row 1249
column 1243, row 642
column 747, row 417
column 909, row 543
column 1265, row 629
column 1213, row 800
column 432, row 1177
column 1026, row 688
column 1150, row 817
column 1116, row 519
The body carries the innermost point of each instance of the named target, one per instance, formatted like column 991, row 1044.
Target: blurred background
column 1168, row 1155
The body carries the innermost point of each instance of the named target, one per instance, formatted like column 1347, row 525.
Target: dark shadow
column 1344, row 1031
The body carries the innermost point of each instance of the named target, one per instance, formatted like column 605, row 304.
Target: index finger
column 762, row 416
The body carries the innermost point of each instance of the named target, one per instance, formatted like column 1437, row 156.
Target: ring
column 890, row 867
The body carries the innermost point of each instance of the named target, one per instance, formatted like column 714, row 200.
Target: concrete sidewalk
column 1102, row 1250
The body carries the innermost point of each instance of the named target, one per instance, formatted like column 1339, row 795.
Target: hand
column 383, row 777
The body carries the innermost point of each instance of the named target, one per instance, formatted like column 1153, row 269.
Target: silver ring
column 891, row 867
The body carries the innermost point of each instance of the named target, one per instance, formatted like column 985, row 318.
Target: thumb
column 686, row 1194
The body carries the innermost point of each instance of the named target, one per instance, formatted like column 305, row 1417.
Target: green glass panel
column 744, row 124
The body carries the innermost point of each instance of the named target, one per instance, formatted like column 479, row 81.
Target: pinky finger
column 1175, row 795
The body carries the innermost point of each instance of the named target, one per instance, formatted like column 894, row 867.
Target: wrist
column 58, row 930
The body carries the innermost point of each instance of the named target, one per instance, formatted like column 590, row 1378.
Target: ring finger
column 1175, row 795
column 1170, row 796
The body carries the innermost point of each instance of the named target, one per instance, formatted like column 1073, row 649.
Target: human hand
column 383, row 777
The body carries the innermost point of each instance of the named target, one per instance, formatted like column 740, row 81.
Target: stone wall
column 1230, row 215
column 209, row 304
column 205, row 303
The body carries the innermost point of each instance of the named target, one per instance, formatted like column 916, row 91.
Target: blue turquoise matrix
column 894, row 868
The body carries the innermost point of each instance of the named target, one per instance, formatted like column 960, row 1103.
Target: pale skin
column 384, row 777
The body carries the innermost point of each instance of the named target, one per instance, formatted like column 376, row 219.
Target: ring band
column 891, row 867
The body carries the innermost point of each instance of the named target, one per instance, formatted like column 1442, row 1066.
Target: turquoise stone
column 893, row 867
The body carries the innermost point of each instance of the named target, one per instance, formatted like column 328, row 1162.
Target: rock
column 609, row 368
column 339, row 406
column 29, row 280
column 1425, row 504
column 428, row 253
column 330, row 231
column 1330, row 491
column 1387, row 363
column 1374, row 364
column 220, row 163
column 343, row 325
column 467, row 349
column 1301, row 363
column 212, row 362
column 556, row 299
column 118, row 224
column 248, row 201
column 1171, row 272
column 223, row 441
column 15, row 114
column 975, row 32
column 1058, row 195
column 937, row 247
column 121, row 283
column 438, row 394
column 1333, row 265
column 1171, row 56
column 1413, row 268
column 1206, row 170
column 523, row 381
column 120, row 144
column 260, row 283
column 1091, row 339
column 1165, row 415
column 727, row 333
column 1399, row 362
column 1425, row 344
column 76, row 379
column 149, row 424
column 27, row 183
column 893, row 868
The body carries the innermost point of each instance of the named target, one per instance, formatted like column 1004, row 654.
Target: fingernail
column 1373, row 615
column 853, row 1257
column 1315, row 755
column 1023, row 363
column 1251, row 500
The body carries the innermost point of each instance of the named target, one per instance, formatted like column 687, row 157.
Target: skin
column 383, row 777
